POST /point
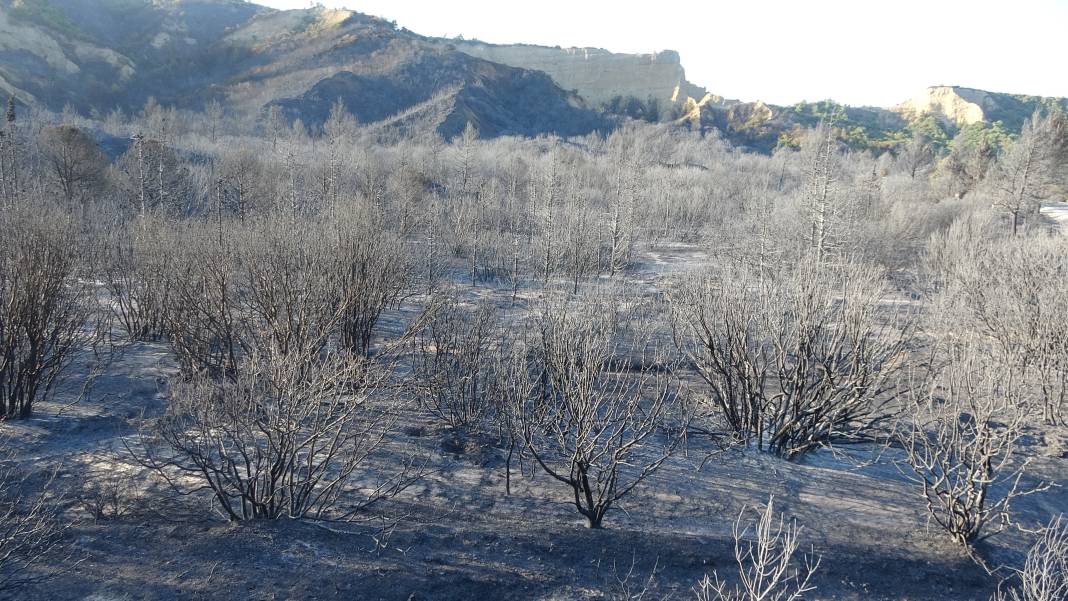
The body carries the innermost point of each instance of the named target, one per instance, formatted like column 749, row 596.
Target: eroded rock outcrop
column 598, row 75
column 950, row 104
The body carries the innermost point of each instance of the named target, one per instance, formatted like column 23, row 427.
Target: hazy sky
column 860, row 52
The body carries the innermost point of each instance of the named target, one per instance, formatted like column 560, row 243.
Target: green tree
column 971, row 154
column 931, row 130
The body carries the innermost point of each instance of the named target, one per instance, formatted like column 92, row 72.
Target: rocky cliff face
column 956, row 106
column 598, row 75
column 949, row 104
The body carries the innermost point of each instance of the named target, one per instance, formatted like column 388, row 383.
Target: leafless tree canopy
column 280, row 439
column 795, row 360
column 32, row 528
column 452, row 365
column 76, row 163
column 962, row 446
column 1028, row 170
column 587, row 417
column 43, row 306
column 1008, row 297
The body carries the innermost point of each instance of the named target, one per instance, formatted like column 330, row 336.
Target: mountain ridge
column 255, row 58
column 99, row 54
column 758, row 124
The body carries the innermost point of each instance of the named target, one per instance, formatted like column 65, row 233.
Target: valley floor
column 457, row 535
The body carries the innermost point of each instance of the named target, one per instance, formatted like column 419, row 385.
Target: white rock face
column 597, row 75
column 950, row 104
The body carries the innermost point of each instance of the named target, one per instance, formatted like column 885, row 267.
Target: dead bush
column 375, row 271
column 961, row 443
column 135, row 274
column 33, row 530
column 1044, row 576
column 280, row 439
column 793, row 362
column 584, row 416
column 44, row 305
column 767, row 570
column 1010, row 296
column 450, row 366
column 108, row 493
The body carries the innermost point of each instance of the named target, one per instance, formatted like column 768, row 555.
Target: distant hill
column 99, row 54
column 105, row 53
column 654, row 87
column 939, row 112
column 956, row 106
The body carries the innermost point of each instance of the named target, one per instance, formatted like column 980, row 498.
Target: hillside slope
column 99, row 54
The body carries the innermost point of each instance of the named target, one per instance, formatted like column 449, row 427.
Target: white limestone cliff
column 598, row 75
column 949, row 104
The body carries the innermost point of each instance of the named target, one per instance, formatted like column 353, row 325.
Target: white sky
column 860, row 52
